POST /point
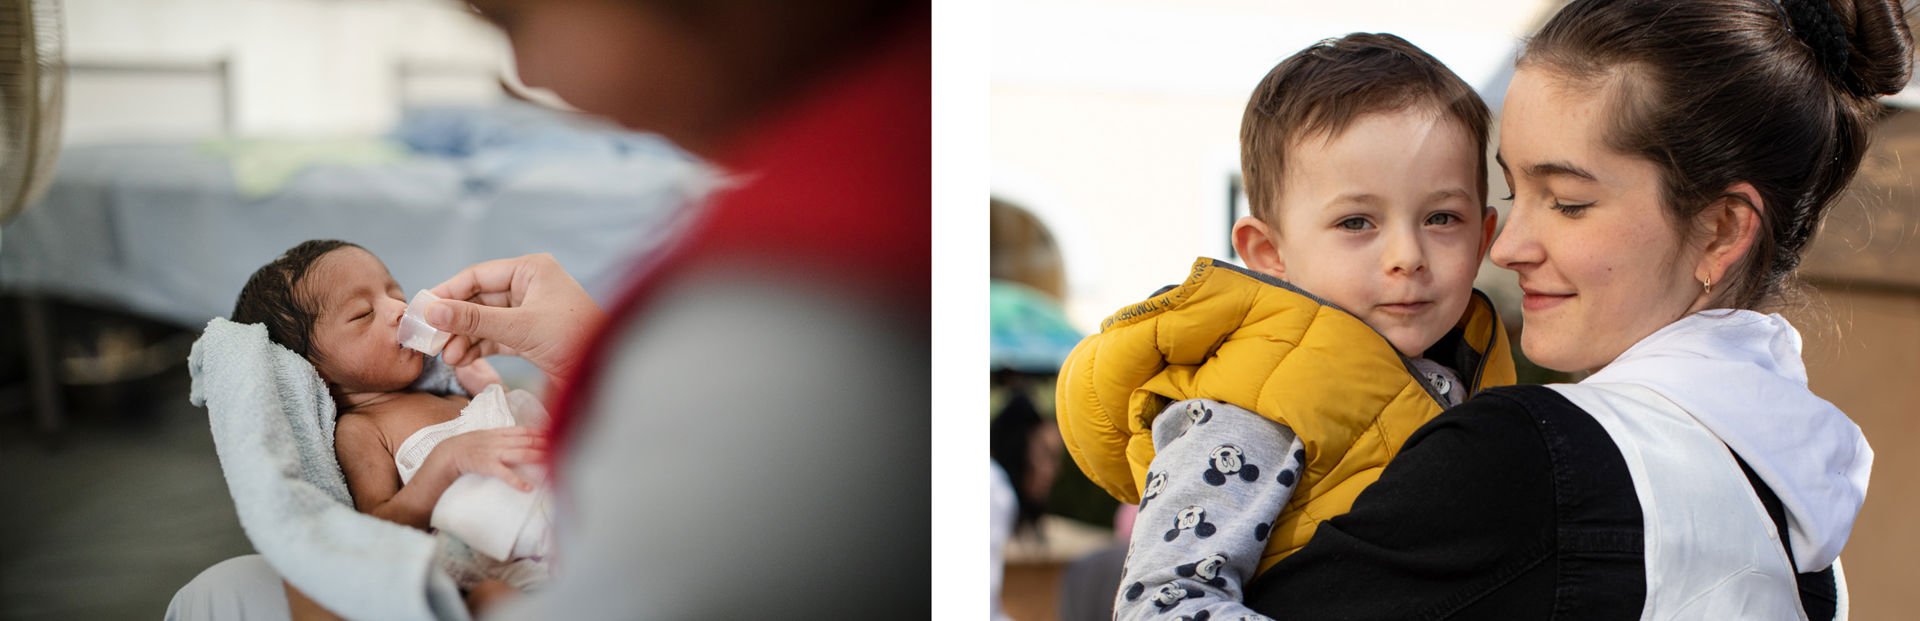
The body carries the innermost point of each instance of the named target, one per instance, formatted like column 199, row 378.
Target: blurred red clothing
column 836, row 183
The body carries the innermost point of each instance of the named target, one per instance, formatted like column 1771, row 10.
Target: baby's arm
column 374, row 480
column 1219, row 479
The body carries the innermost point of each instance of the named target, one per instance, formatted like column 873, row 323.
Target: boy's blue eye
column 1440, row 219
column 1354, row 224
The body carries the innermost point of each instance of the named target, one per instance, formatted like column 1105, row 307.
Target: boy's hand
column 493, row 452
column 476, row 376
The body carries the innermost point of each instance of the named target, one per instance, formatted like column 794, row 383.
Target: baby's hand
column 494, row 452
column 476, row 376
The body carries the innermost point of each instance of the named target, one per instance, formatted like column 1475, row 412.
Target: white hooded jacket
column 1739, row 373
column 1674, row 403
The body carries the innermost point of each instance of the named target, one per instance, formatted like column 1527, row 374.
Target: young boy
column 1244, row 407
column 404, row 452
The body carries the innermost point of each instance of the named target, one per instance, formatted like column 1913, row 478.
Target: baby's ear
column 1253, row 239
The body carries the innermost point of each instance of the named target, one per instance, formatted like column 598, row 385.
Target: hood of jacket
column 1740, row 374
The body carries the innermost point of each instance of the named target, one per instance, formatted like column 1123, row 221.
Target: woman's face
column 1599, row 258
column 628, row 61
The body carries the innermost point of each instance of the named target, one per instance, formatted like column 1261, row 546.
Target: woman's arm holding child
column 374, row 480
column 1219, row 480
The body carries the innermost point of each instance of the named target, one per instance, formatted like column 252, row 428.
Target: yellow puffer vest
column 1238, row 337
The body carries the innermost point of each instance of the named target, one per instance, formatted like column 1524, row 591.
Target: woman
column 1670, row 162
column 742, row 433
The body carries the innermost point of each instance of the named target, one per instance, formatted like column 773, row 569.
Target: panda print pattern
column 1219, row 479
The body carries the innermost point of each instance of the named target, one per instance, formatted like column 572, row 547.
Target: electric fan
column 32, row 93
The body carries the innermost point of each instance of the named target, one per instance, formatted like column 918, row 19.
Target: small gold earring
column 1708, row 283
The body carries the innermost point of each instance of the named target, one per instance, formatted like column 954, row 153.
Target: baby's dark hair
column 271, row 296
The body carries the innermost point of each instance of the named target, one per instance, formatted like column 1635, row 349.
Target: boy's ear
column 1254, row 241
column 1489, row 224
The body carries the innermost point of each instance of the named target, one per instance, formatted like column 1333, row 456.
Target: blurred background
column 201, row 138
column 1115, row 162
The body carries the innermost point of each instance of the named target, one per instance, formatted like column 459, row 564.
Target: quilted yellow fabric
column 1238, row 337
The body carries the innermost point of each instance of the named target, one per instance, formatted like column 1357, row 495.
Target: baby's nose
column 393, row 309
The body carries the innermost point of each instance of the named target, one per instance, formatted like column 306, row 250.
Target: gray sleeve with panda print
column 1219, row 478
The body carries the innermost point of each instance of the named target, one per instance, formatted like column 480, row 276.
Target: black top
column 1513, row 505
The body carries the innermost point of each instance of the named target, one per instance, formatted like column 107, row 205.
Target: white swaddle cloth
column 486, row 513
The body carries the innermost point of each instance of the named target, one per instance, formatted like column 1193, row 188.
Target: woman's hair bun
column 1880, row 45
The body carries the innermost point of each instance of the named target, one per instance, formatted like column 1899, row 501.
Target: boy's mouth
column 1405, row 308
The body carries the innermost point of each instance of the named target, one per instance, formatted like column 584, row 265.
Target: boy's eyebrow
column 1448, row 193
column 1549, row 169
column 1373, row 200
column 1362, row 198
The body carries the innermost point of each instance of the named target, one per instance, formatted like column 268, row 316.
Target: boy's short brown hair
column 1323, row 88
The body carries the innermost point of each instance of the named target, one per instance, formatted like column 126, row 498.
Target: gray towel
column 273, row 423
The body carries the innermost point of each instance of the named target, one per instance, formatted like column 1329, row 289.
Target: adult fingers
column 484, row 277
column 455, row 353
column 493, row 298
column 476, row 320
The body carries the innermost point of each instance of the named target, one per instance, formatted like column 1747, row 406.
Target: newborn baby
column 412, row 457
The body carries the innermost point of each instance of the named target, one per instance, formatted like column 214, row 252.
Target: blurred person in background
column 1031, row 337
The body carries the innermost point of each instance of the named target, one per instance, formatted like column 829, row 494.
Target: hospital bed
column 170, row 229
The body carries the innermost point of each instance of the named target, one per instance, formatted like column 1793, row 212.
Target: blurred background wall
column 294, row 67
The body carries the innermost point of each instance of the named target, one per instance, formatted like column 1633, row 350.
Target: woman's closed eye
column 1571, row 210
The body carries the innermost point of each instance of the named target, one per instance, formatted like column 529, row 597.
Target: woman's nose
column 1515, row 246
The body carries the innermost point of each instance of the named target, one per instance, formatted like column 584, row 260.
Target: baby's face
column 357, row 308
column 1385, row 220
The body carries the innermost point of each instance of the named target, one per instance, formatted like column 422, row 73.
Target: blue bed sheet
column 162, row 230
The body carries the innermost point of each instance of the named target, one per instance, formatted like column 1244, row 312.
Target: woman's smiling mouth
column 1541, row 300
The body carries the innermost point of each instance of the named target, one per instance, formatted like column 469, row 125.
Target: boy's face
column 1383, row 220
column 357, row 308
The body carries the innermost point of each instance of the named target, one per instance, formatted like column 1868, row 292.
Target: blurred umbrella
column 1030, row 331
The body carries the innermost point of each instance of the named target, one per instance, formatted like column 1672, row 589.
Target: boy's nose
column 1405, row 255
